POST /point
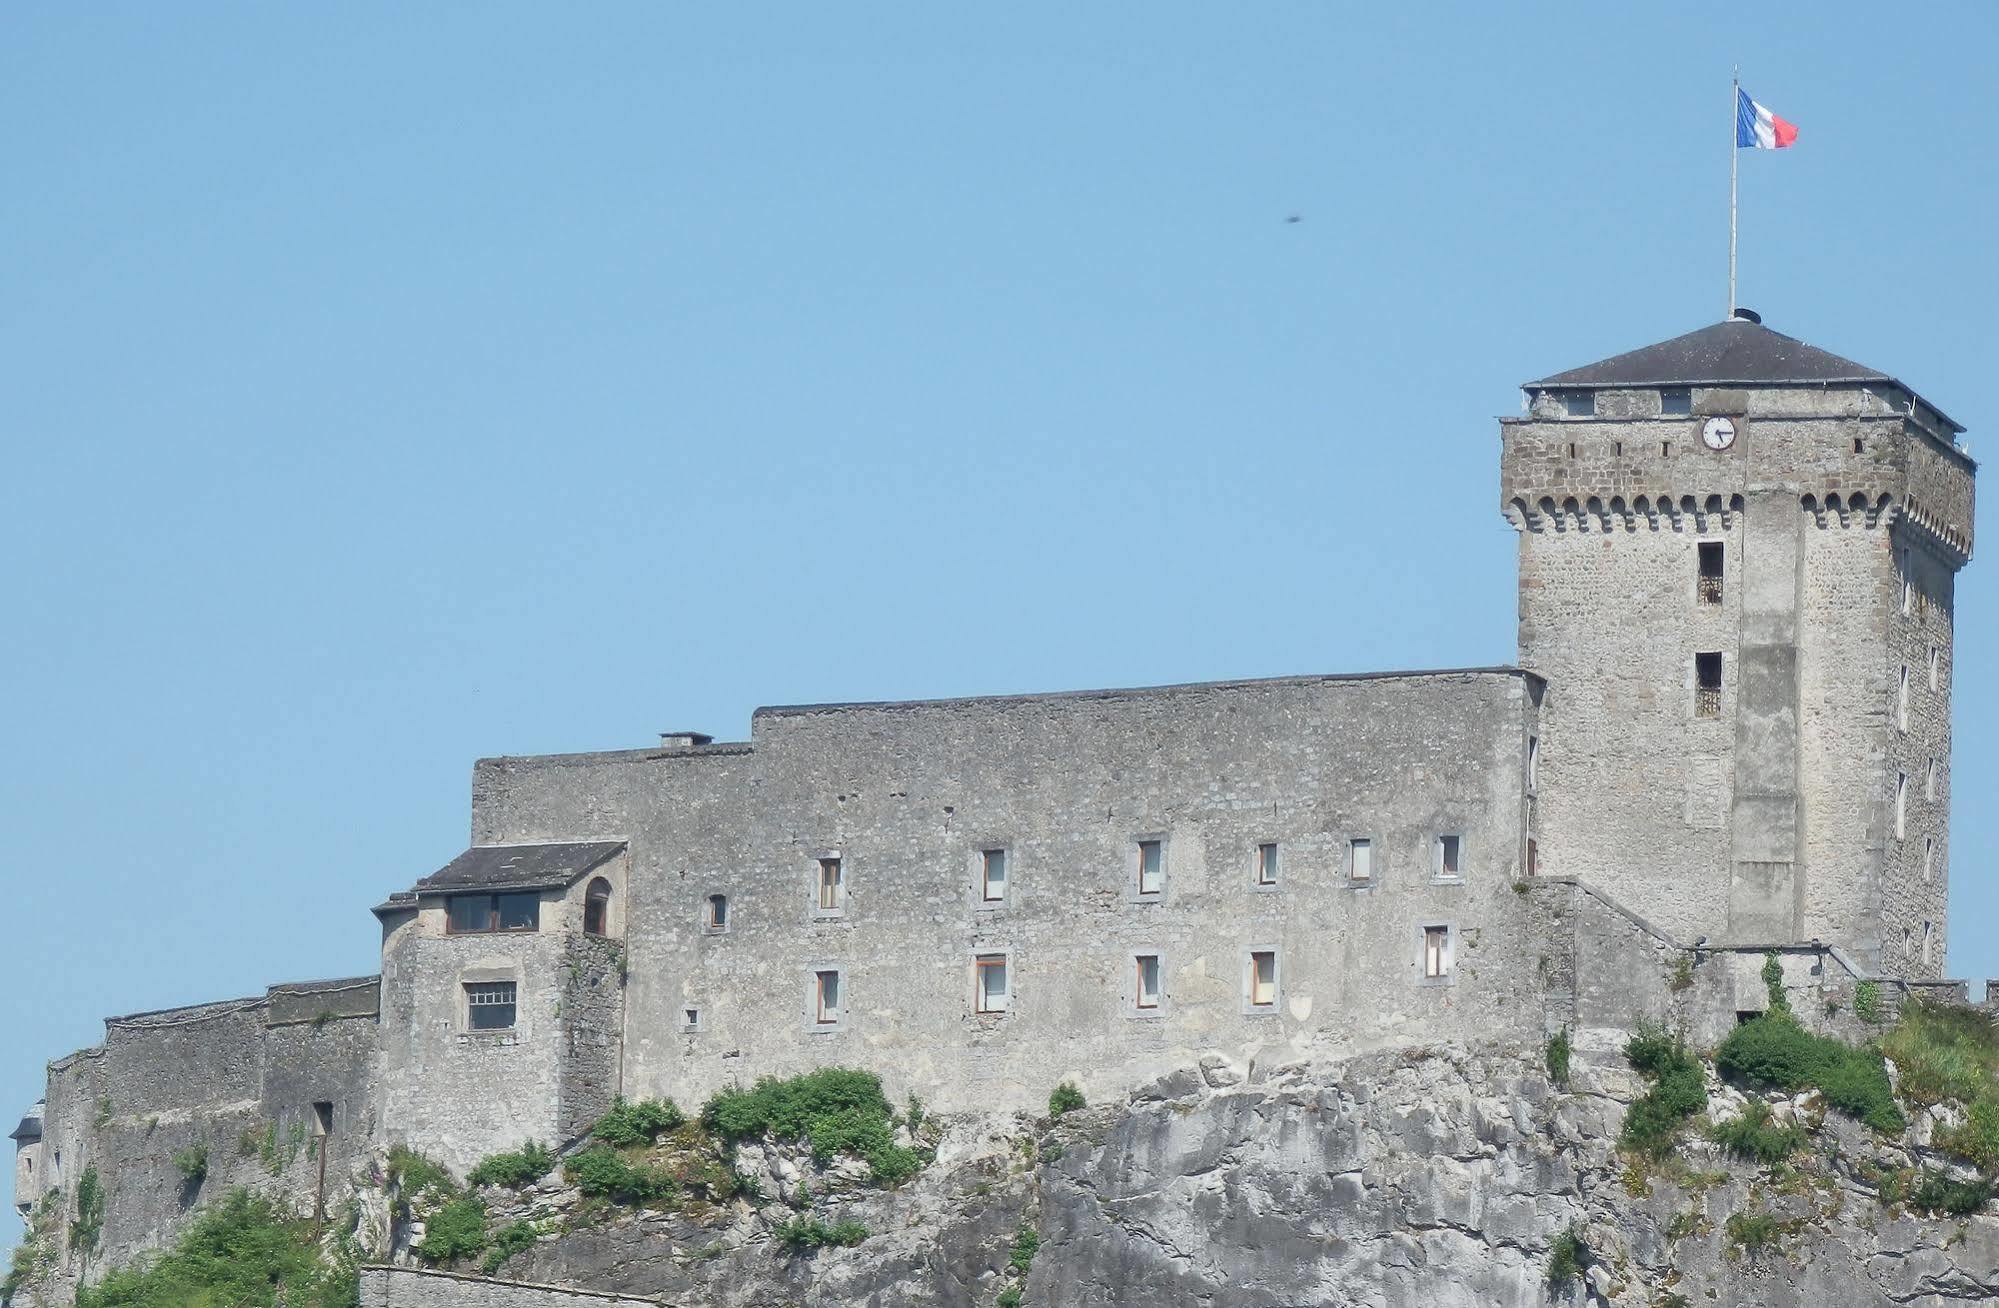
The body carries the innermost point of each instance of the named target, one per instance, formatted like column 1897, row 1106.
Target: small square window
column 1360, row 860
column 1266, row 865
column 1151, row 867
column 1262, row 978
column 520, row 912
column 991, row 991
column 1579, row 404
column 1450, row 858
column 832, row 885
column 489, row 1005
column 1676, row 403
column 992, row 875
column 1666, row 449
column 1436, row 952
column 1707, row 685
column 827, row 997
column 1145, row 992
column 1859, row 445
column 690, row 1019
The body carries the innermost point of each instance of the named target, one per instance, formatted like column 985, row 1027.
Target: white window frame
column 982, row 883
column 1275, row 1005
column 512, row 986
column 693, row 1019
column 1266, row 865
column 984, row 963
column 1135, row 868
column 842, row 883
column 1437, row 872
column 1134, row 991
column 1449, row 953
column 817, row 1017
column 1349, row 861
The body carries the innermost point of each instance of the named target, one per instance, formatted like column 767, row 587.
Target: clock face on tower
column 1718, row 433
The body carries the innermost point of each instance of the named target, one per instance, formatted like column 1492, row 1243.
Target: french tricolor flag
column 1756, row 128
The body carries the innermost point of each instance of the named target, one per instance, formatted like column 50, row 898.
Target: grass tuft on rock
column 1757, row 1137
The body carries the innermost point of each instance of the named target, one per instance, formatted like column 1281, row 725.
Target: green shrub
column 1943, row 1052
column 523, row 1167
column 1867, row 1001
column 1558, row 1057
column 1976, row 1140
column 246, row 1252
column 838, row 1109
column 1008, row 1298
column 1937, row 1193
column 805, row 1233
column 1773, row 982
column 457, row 1230
column 192, row 1162
column 512, row 1239
column 1683, row 974
column 1679, row 1090
column 1752, row 1233
column 89, row 1222
column 1026, row 1242
column 604, row 1172
column 1756, row 1137
column 1773, row 1050
column 1567, row 1257
column 637, row 1123
column 1065, row 1098
column 416, row 1177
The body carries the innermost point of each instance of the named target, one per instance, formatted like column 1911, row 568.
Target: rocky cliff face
column 1436, row 1178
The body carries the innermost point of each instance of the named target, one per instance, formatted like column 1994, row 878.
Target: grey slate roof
column 1732, row 353
column 30, row 1128
column 1736, row 351
column 518, row 867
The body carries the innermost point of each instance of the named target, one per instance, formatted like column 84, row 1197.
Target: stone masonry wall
column 908, row 795
column 402, row 1287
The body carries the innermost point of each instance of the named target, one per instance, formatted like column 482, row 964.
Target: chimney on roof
column 1748, row 315
column 683, row 739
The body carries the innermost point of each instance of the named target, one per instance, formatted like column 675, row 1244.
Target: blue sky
column 392, row 386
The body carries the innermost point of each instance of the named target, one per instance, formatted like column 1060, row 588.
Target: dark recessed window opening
column 718, row 912
column 519, row 911
column 1859, row 445
column 322, row 1117
column 1676, row 403
column 1572, row 449
column 1580, row 404
column 1707, row 685
column 1711, row 559
column 597, row 908
column 489, row 1005
column 1666, row 448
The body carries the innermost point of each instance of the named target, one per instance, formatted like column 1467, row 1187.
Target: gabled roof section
column 519, row 867
column 1732, row 353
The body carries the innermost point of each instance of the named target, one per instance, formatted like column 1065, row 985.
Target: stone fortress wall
column 910, row 797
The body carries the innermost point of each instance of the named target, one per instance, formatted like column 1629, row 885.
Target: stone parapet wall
column 403, row 1287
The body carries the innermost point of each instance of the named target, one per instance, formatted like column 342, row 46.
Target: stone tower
column 1738, row 556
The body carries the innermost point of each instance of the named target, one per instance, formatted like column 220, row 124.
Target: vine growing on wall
column 88, row 1225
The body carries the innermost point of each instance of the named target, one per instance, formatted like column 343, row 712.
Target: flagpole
column 1734, row 158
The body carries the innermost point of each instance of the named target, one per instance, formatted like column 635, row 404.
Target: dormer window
column 1676, row 402
column 1579, row 404
column 470, row 914
column 597, row 908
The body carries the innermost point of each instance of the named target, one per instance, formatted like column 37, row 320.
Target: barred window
column 1711, row 569
column 489, row 1005
column 1707, row 685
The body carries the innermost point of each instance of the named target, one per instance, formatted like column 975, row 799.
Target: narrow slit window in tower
column 1902, row 700
column 1901, row 805
column 1707, row 685
column 1711, row 562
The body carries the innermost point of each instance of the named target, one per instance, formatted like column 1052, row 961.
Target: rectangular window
column 992, row 875
column 717, row 918
column 1450, row 857
column 1580, row 404
column 1707, row 685
column 826, row 997
column 690, row 1019
column 990, row 991
column 1146, row 993
column 1935, row 659
column 1710, row 571
column 1902, row 700
column 832, row 886
column 1266, row 865
column 1360, row 859
column 1436, row 952
column 1676, row 403
column 1901, row 804
column 510, row 912
column 322, row 1118
column 1263, row 978
column 489, row 1005
column 1151, row 867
